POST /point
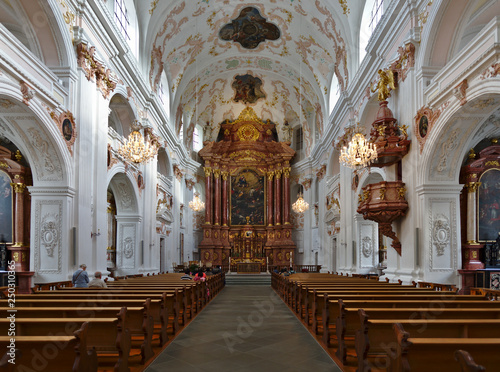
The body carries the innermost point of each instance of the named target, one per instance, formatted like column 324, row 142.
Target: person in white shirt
column 97, row 282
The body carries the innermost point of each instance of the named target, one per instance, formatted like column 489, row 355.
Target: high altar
column 247, row 187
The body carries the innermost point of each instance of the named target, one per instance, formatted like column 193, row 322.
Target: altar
column 247, row 188
column 248, row 268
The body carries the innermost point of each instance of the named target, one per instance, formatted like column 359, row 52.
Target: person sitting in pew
column 186, row 275
column 80, row 277
column 97, row 282
column 200, row 275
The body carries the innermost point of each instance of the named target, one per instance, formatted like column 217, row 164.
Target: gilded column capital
column 472, row 186
column 278, row 173
column 216, row 173
column 208, row 171
column 18, row 187
column 286, row 172
column 270, row 174
column 225, row 175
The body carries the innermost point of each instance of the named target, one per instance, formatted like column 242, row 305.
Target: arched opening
column 127, row 216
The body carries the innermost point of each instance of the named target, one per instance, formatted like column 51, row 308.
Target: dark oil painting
column 247, row 198
column 247, row 88
column 5, row 208
column 67, row 129
column 249, row 29
column 489, row 205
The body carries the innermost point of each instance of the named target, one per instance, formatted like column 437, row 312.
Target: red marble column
column 270, row 199
column 19, row 213
column 225, row 197
column 286, row 196
column 208, row 195
column 217, row 197
column 277, row 205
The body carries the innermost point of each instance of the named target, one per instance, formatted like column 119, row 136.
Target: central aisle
column 245, row 328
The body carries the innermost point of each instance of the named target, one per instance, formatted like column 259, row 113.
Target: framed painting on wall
column 248, row 198
column 6, row 224
column 489, row 205
column 495, row 281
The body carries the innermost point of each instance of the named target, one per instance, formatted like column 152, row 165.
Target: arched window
column 372, row 13
column 121, row 18
column 197, row 139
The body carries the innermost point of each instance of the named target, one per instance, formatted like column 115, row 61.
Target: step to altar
column 248, row 279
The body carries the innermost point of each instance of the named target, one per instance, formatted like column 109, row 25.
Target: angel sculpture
column 385, row 84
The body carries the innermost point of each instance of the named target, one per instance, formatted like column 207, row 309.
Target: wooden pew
column 104, row 335
column 348, row 321
column 162, row 304
column 375, row 338
column 315, row 301
column 437, row 354
column 331, row 310
column 50, row 353
column 139, row 320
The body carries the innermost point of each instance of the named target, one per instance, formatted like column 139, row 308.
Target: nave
column 245, row 328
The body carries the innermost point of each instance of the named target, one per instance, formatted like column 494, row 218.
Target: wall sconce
column 98, row 233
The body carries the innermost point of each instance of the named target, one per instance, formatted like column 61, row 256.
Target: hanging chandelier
column 196, row 204
column 360, row 152
column 300, row 206
column 138, row 149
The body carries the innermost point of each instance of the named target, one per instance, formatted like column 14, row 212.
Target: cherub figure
column 385, row 84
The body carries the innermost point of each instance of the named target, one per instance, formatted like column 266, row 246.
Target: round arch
column 456, row 131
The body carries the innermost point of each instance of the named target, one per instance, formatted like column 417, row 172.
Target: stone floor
column 245, row 328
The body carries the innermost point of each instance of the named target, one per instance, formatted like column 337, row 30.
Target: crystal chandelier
column 360, row 152
column 300, row 206
column 196, row 204
column 138, row 149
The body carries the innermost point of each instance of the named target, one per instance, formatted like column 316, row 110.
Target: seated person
column 216, row 270
column 291, row 271
column 276, row 270
column 200, row 275
column 186, row 275
column 97, row 282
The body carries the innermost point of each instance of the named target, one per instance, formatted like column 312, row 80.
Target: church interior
column 356, row 138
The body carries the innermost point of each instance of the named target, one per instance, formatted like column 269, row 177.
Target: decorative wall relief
column 47, row 161
column 443, row 247
column 460, row 92
column 49, row 232
column 125, row 196
column 247, row 89
column 441, row 233
column 405, row 61
column 366, row 246
column 249, row 29
column 126, row 245
column 46, row 243
column 27, row 92
column 95, row 70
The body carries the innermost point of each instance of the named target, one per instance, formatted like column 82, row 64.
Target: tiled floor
column 245, row 328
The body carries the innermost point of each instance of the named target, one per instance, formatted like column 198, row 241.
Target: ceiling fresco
column 288, row 50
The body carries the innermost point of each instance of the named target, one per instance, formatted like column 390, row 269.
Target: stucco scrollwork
column 49, row 234
column 128, row 250
column 441, row 233
column 366, row 246
column 125, row 196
